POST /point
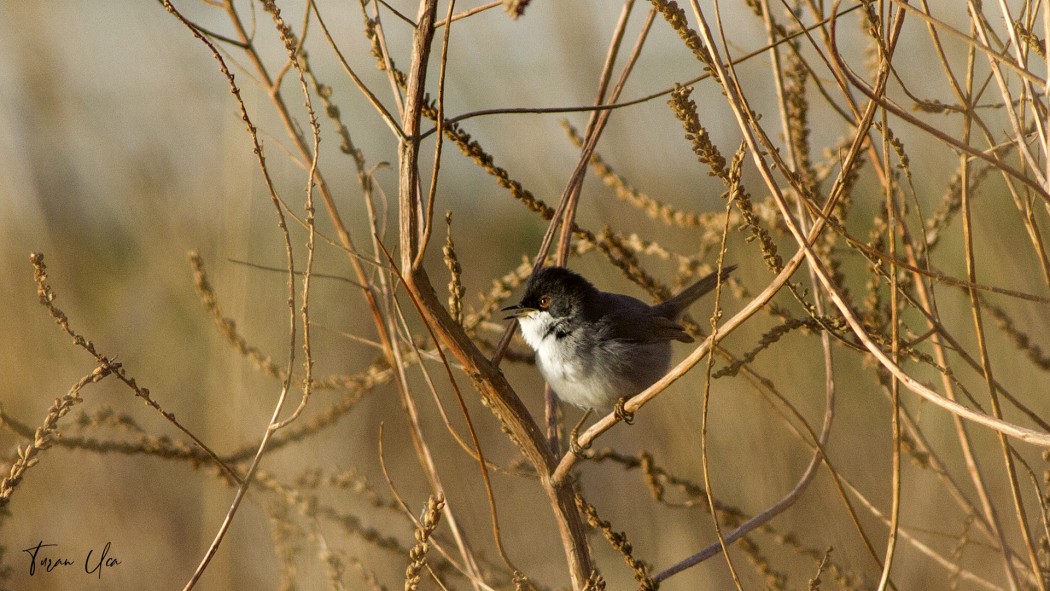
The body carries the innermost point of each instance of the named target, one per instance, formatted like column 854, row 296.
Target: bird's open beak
column 517, row 311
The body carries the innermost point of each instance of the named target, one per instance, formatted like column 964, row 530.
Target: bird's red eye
column 545, row 302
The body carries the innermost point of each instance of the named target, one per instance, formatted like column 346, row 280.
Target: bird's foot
column 574, row 437
column 622, row 413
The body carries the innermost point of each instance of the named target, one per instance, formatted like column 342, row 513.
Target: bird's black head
column 556, row 290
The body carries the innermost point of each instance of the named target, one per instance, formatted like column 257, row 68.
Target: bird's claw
column 574, row 437
column 622, row 413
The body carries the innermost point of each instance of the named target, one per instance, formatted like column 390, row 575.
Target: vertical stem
column 488, row 380
column 408, row 148
column 895, row 385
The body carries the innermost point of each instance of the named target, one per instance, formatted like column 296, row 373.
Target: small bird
column 594, row 347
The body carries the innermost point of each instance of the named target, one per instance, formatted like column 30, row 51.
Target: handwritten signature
column 45, row 557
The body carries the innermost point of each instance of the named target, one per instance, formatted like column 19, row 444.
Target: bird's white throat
column 536, row 328
column 555, row 350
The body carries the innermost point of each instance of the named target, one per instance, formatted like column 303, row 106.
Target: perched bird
column 594, row 347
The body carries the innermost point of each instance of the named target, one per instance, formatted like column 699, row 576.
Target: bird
column 596, row 348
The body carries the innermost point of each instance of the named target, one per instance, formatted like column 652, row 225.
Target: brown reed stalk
column 417, row 556
column 618, row 541
column 455, row 283
column 46, row 434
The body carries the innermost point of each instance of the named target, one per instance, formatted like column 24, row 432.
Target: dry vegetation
column 866, row 409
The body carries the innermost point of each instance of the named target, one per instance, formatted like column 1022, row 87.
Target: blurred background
column 122, row 150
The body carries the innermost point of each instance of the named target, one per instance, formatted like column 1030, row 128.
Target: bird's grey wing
column 634, row 321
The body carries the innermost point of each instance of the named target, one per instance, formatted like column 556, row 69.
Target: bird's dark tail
column 674, row 307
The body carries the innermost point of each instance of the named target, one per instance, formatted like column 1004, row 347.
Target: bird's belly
column 625, row 371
